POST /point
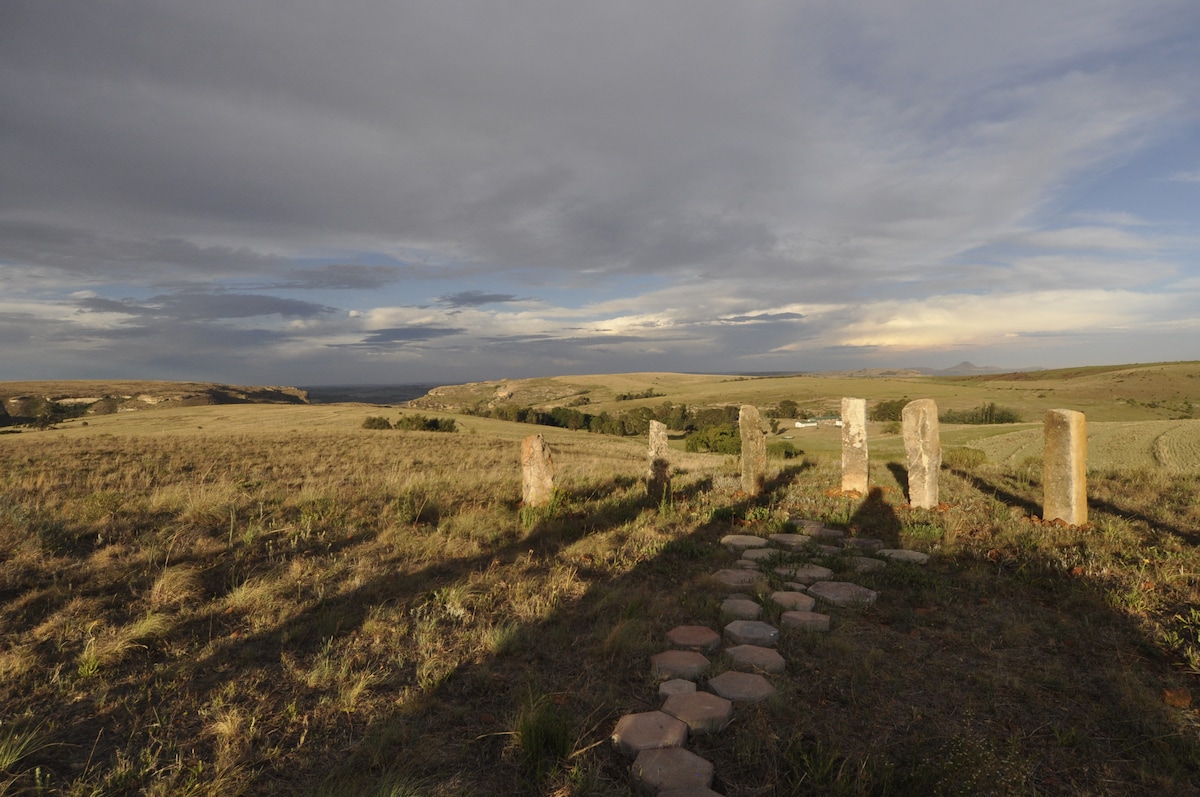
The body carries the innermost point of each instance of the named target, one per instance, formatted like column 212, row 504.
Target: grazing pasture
column 253, row 599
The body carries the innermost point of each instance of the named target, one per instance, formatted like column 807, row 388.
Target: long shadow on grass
column 1005, row 497
column 590, row 657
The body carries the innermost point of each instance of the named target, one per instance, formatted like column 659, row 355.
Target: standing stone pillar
column 754, row 450
column 1064, row 467
column 658, row 484
column 923, row 447
column 854, row 445
column 537, row 471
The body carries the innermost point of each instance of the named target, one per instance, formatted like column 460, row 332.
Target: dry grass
column 283, row 603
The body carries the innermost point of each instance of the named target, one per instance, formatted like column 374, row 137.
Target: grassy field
column 254, row 599
column 1159, row 391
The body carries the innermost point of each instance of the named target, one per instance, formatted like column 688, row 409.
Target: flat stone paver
column 804, row 574
column 752, row 632
column 823, row 534
column 790, row 540
column 740, row 609
column 694, row 637
column 703, row 712
column 676, row 686
column 904, row 555
column 740, row 542
column 737, row 578
column 648, row 731
column 696, row 791
column 829, row 550
column 804, row 621
column 863, row 543
column 687, row 664
column 865, row 564
column 758, row 554
column 741, row 687
column 755, row 657
column 669, row 768
column 843, row 594
column 794, row 601
column 746, row 564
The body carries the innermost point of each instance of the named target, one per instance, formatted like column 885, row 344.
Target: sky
column 383, row 191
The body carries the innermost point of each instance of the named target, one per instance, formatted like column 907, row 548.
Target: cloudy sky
column 382, row 191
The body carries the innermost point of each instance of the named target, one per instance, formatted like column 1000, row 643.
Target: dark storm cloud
column 476, row 299
column 393, row 336
column 746, row 160
column 762, row 318
column 342, row 277
column 205, row 306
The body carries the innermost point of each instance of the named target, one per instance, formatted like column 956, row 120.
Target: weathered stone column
column 658, row 483
column 923, row 449
column 754, row 450
column 537, row 471
column 854, row 445
column 1064, row 467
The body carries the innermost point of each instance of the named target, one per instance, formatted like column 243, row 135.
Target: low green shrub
column 376, row 422
column 420, row 423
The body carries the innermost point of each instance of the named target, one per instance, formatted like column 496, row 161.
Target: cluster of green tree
column 785, row 409
column 647, row 393
column 985, row 413
column 893, row 409
column 720, row 439
column 676, row 417
column 889, row 410
column 412, row 423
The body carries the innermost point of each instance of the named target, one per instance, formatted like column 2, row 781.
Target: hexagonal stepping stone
column 843, row 593
column 792, row 541
column 703, row 712
column 737, row 578
column 676, row 686
column 804, row 621
column 694, row 637
column 667, row 768
column 865, row 564
column 759, row 554
column 740, row 542
column 687, row 664
column 804, row 574
column 755, row 657
column 648, row 731
column 823, row 534
column 752, row 632
column 692, row 792
column 740, row 609
column 793, row 601
column 741, row 687
column 863, row 543
column 904, row 555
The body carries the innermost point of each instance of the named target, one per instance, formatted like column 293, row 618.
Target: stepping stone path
column 656, row 739
column 794, row 601
column 740, row 608
column 694, row 637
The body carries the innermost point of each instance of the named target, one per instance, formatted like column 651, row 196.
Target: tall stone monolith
column 1064, row 467
column 923, row 450
column 537, row 471
column 754, row 450
column 658, row 482
column 854, row 445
